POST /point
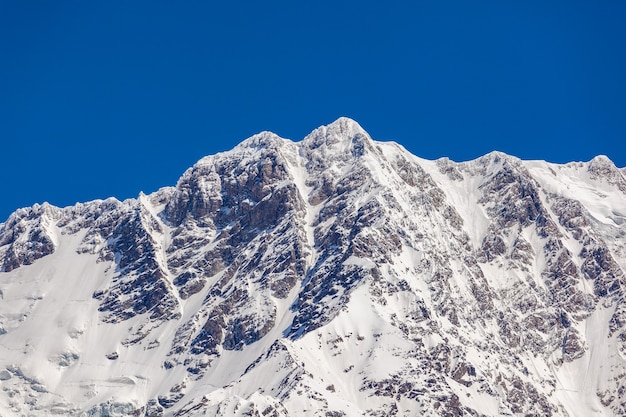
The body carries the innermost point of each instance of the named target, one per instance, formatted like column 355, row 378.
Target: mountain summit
column 335, row 276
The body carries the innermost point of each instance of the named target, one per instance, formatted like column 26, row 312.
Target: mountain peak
column 343, row 140
column 601, row 162
column 341, row 130
column 345, row 124
column 264, row 139
column 497, row 157
column 601, row 167
column 333, row 276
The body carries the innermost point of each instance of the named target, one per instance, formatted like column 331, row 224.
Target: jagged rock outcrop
column 24, row 237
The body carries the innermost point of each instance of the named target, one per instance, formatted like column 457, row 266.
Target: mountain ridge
column 276, row 276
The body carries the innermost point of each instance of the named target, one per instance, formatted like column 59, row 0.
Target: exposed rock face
column 24, row 237
column 336, row 276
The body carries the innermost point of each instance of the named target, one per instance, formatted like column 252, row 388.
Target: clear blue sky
column 110, row 98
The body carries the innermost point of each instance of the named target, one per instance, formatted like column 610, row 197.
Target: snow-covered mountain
column 335, row 276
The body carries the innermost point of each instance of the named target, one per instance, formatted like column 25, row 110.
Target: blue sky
column 102, row 99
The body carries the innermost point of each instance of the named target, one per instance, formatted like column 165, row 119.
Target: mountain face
column 335, row 276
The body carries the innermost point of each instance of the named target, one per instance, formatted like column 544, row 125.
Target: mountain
column 334, row 276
